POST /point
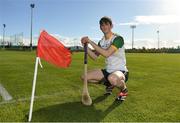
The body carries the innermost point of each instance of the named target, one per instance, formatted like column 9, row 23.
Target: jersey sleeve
column 118, row 42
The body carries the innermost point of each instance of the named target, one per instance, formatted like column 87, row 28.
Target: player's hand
column 85, row 40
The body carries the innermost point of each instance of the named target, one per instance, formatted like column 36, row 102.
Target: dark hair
column 105, row 20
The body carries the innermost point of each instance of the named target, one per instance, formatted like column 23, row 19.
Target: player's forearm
column 100, row 50
column 92, row 54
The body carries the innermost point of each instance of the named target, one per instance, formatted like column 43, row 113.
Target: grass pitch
column 154, row 90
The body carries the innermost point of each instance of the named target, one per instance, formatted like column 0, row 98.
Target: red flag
column 53, row 51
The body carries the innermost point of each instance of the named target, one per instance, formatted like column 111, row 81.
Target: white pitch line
column 4, row 93
column 28, row 99
column 46, row 96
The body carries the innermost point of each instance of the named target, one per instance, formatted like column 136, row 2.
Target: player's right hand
column 84, row 40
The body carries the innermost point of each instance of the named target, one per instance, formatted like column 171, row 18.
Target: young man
column 111, row 46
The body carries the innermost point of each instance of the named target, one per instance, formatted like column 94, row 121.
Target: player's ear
column 111, row 26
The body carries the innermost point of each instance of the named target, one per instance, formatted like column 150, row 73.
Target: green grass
column 154, row 90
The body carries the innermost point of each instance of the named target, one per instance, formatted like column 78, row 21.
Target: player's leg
column 118, row 79
column 94, row 76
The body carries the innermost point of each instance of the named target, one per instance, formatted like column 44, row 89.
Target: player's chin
column 105, row 32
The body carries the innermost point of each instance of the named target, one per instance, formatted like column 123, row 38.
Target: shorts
column 106, row 74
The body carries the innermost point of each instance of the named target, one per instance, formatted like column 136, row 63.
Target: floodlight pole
column 158, row 38
column 32, row 6
column 4, row 26
column 133, row 27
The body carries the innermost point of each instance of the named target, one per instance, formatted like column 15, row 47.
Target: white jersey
column 117, row 61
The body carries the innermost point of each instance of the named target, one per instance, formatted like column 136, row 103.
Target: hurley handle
column 85, row 53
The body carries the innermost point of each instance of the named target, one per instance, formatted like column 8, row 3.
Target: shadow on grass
column 73, row 112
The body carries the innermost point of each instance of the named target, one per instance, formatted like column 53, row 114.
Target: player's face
column 105, row 28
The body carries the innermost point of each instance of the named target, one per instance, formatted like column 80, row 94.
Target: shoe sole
column 121, row 99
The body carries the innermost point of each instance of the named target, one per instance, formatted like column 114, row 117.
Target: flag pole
column 33, row 89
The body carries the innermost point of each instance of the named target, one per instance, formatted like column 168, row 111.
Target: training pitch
column 154, row 90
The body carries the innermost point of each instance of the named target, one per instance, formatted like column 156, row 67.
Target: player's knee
column 120, row 83
column 113, row 80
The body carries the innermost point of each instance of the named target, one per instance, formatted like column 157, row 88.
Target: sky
column 69, row 20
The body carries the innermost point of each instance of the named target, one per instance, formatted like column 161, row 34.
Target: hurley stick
column 86, row 99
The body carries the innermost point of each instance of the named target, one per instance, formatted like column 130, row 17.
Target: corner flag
column 52, row 51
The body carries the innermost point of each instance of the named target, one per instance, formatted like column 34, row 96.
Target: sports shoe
column 122, row 95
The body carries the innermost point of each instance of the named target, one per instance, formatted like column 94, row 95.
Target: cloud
column 152, row 19
column 151, row 43
column 161, row 19
column 67, row 41
column 126, row 24
column 138, row 43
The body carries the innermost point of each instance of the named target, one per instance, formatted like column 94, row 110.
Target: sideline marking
column 4, row 93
